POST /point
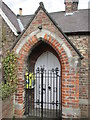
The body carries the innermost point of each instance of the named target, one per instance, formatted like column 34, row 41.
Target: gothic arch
column 70, row 81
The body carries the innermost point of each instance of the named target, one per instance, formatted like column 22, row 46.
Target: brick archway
column 39, row 49
column 70, row 81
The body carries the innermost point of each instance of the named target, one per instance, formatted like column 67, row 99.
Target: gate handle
column 49, row 87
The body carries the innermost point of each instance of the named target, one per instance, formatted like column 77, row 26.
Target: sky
column 30, row 6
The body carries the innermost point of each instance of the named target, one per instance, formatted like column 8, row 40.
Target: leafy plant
column 9, row 84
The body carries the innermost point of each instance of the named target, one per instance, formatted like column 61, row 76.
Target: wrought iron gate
column 43, row 94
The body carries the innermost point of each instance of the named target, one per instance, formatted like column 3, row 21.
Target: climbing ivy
column 9, row 83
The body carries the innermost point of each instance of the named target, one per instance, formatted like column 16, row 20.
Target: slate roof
column 11, row 16
column 77, row 22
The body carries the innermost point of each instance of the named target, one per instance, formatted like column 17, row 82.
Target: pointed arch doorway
column 51, row 84
column 44, row 100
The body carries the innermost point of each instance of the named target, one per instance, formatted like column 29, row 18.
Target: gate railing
column 43, row 93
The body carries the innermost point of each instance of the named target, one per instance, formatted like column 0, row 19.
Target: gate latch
column 49, row 87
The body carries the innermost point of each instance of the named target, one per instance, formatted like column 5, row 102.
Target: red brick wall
column 82, row 41
column 7, row 108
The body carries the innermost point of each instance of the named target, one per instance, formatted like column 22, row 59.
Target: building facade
column 51, row 40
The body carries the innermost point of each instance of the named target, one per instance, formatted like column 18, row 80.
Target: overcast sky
column 30, row 6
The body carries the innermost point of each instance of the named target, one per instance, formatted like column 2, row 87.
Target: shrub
column 9, row 83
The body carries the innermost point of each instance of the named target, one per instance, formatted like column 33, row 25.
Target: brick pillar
column 19, row 96
column 70, row 95
column 70, row 91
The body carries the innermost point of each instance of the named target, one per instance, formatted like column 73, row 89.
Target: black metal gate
column 43, row 94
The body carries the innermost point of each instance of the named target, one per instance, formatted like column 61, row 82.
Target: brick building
column 58, row 39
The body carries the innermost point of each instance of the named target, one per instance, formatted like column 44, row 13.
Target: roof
column 32, row 17
column 77, row 22
column 11, row 16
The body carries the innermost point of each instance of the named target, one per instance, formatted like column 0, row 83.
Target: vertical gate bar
column 42, row 70
column 31, row 101
column 36, row 92
column 25, row 102
column 61, row 96
column 40, row 94
column 26, row 97
column 28, row 102
column 28, row 94
column 33, row 92
column 25, row 94
column 50, row 91
column 56, row 89
column 56, row 92
column 31, row 98
column 45, row 91
column 53, row 92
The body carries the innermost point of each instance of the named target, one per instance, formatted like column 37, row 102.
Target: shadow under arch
column 38, row 49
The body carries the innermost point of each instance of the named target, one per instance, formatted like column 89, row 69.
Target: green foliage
column 10, row 75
